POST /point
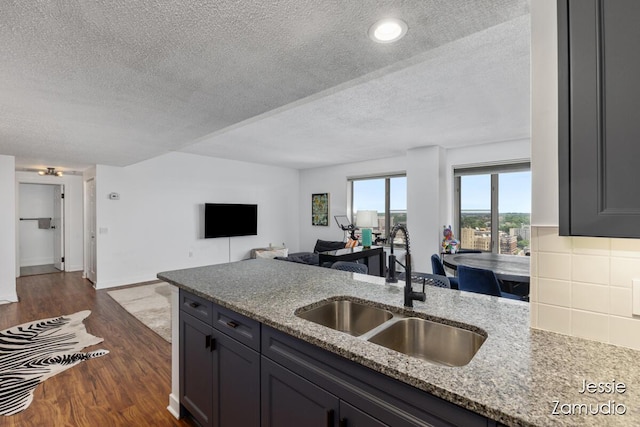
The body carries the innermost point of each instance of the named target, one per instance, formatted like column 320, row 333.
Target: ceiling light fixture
column 388, row 30
column 51, row 172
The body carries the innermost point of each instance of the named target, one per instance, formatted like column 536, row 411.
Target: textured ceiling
column 294, row 82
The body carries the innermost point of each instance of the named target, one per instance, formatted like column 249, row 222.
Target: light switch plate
column 635, row 292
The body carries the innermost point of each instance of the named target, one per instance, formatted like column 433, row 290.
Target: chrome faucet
column 409, row 294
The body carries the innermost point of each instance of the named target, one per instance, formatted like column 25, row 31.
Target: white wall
column 36, row 244
column 544, row 113
column 333, row 180
column 580, row 286
column 426, row 199
column 73, row 212
column 7, row 230
column 157, row 222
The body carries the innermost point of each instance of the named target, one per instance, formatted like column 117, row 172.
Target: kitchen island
column 519, row 376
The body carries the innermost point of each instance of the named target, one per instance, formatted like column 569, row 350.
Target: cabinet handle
column 207, row 341
column 330, row 417
column 342, row 422
column 232, row 324
column 213, row 344
column 194, row 304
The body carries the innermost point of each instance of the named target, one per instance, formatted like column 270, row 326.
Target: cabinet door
column 354, row 417
column 236, row 380
column 196, row 368
column 599, row 117
column 290, row 400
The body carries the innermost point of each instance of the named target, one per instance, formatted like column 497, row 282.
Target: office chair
column 481, row 281
column 438, row 268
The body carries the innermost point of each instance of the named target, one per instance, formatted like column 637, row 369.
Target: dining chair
column 481, row 281
column 438, row 268
column 353, row 267
column 436, row 280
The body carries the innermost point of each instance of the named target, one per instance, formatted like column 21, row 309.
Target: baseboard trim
column 35, row 261
column 8, row 299
column 122, row 282
column 174, row 406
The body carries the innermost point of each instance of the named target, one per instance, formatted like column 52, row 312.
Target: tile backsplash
column 581, row 286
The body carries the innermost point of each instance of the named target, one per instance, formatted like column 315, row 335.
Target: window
column 494, row 201
column 387, row 195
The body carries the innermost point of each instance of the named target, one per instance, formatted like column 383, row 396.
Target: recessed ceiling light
column 387, row 30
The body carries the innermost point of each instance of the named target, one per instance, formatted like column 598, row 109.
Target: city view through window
column 371, row 194
column 512, row 205
column 513, row 212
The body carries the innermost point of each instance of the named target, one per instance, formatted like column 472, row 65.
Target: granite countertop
column 519, row 376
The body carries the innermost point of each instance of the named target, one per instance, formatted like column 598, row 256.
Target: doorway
column 41, row 233
column 90, row 230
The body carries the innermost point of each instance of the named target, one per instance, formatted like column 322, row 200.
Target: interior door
column 57, row 223
column 90, row 198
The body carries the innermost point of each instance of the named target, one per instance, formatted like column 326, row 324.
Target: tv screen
column 229, row 220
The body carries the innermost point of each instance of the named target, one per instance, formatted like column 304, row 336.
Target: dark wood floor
column 128, row 387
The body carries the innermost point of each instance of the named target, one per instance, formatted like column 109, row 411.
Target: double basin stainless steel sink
column 426, row 339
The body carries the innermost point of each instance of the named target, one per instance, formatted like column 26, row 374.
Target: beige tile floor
column 38, row 269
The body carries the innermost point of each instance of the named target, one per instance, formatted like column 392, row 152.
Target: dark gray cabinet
column 350, row 416
column 357, row 396
column 219, row 375
column 196, row 375
column 599, row 117
column 236, row 372
column 236, row 394
column 290, row 400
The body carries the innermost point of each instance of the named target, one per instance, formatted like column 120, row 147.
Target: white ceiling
column 294, row 83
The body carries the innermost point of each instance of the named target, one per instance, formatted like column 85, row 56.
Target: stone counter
column 516, row 377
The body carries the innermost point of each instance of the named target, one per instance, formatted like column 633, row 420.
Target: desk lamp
column 366, row 220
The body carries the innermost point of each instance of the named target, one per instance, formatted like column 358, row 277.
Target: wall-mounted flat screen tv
column 230, row 220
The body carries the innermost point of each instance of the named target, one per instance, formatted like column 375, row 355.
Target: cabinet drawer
column 198, row 307
column 237, row 326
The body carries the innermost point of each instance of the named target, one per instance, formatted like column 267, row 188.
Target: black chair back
column 353, row 267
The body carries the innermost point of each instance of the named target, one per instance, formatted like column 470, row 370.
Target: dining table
column 510, row 269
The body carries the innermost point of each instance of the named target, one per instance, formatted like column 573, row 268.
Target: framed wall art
column 320, row 209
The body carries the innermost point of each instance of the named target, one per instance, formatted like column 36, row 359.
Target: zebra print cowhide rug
column 32, row 352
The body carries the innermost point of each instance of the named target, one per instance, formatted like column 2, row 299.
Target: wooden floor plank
column 128, row 387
